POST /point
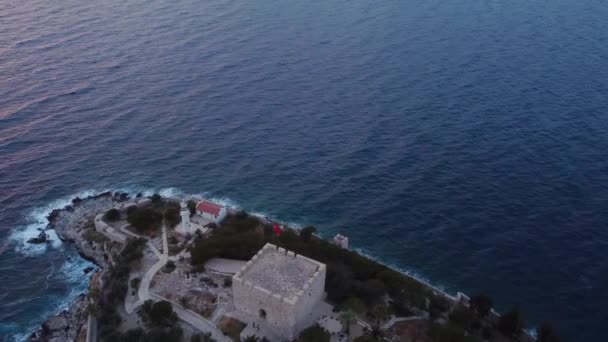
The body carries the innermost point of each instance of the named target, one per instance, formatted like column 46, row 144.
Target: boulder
column 55, row 324
column 41, row 238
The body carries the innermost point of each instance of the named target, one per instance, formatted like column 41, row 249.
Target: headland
column 188, row 269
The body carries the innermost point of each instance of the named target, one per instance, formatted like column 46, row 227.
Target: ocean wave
column 71, row 273
column 414, row 274
column 35, row 221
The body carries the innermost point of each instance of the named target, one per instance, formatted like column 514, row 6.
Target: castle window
column 262, row 313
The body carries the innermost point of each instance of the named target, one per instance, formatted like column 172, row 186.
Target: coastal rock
column 53, row 215
column 66, row 326
column 55, row 324
column 40, row 239
column 71, row 224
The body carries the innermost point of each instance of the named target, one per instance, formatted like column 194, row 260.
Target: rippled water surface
column 464, row 141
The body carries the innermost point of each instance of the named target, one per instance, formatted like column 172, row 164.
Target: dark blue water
column 464, row 141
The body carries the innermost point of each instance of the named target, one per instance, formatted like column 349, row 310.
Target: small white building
column 211, row 211
column 341, row 241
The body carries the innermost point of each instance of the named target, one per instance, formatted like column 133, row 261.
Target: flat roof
column 279, row 272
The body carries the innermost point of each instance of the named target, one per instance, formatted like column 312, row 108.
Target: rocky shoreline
column 71, row 224
column 75, row 224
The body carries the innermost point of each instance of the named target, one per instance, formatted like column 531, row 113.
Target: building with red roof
column 211, row 211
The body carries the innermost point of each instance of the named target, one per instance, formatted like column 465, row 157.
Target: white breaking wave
column 410, row 273
column 35, row 220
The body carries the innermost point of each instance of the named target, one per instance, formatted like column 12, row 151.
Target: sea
column 463, row 141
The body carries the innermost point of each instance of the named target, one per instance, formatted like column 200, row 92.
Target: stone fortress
column 279, row 290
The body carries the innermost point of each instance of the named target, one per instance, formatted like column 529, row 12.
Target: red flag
column 277, row 230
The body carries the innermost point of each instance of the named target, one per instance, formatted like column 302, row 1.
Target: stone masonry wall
column 286, row 316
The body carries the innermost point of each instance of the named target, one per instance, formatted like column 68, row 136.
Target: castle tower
column 185, row 214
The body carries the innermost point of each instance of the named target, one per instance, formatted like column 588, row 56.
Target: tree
column 375, row 334
column 112, row 215
column 158, row 314
column 462, row 317
column 438, row 306
column 481, row 305
column 371, row 290
column 307, row 232
column 379, row 313
column 511, row 323
column 314, row 334
column 547, row 334
column 172, row 217
column 192, row 207
column 169, row 266
column 450, row 333
column 355, row 305
column 144, row 219
column 204, row 337
column 135, row 283
column 134, row 335
column 156, row 199
column 348, row 318
column 339, row 282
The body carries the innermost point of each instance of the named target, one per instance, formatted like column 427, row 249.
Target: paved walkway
column 394, row 320
column 184, row 314
column 144, row 287
column 124, row 230
column 91, row 329
column 224, row 266
column 109, row 232
column 156, row 252
column 194, row 319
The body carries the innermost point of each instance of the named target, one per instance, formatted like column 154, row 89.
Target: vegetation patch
column 169, row 267
column 112, row 215
column 231, row 327
column 92, row 235
column 314, row 334
column 115, row 290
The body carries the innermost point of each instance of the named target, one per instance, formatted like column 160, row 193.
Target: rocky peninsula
column 166, row 267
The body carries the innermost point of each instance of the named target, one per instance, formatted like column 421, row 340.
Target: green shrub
column 169, row 266
column 144, row 219
column 481, row 305
column 156, row 199
column 135, row 283
column 511, row 323
column 157, row 314
column 112, row 215
column 307, row 232
column 172, row 217
column 314, row 334
column 192, row 207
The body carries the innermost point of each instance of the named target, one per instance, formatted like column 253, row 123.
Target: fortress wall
column 286, row 316
column 280, row 312
column 309, row 298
